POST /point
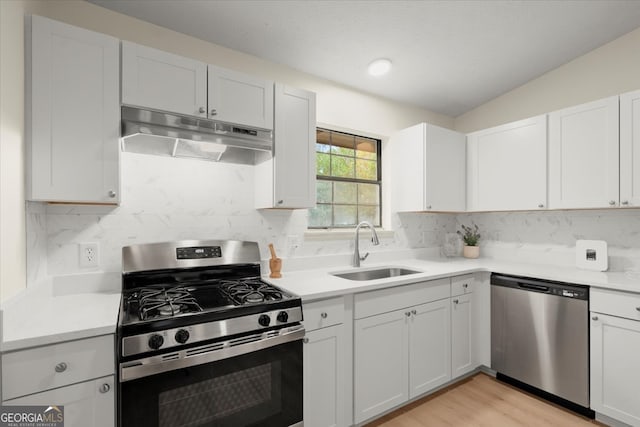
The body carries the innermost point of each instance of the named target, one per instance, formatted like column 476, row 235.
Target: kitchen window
column 348, row 180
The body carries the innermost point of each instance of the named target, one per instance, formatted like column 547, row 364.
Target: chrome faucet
column 356, row 251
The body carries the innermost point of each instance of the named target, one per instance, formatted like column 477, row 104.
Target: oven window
column 209, row 401
column 260, row 388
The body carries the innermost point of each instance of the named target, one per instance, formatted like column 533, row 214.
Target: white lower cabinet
column 404, row 350
column 615, row 346
column 381, row 364
column 76, row 374
column 463, row 358
column 86, row 404
column 325, row 373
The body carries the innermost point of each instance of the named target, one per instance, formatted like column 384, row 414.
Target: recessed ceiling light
column 379, row 67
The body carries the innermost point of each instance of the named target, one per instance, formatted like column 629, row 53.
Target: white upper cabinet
column 287, row 179
column 427, row 169
column 72, row 114
column 584, row 156
column 630, row 149
column 239, row 98
column 163, row 81
column 507, row 166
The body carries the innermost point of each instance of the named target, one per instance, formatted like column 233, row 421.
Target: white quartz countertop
column 61, row 311
column 319, row 283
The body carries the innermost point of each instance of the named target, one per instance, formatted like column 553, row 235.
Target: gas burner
column 250, row 291
column 161, row 302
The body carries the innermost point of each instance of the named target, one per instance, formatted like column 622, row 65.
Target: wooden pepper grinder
column 275, row 263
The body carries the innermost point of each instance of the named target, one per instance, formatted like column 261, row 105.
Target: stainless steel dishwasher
column 540, row 338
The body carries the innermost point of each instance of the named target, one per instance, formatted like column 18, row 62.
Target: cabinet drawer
column 43, row 368
column 395, row 298
column 461, row 285
column 320, row 314
column 615, row 303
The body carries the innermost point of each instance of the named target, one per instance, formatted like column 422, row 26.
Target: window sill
column 343, row 234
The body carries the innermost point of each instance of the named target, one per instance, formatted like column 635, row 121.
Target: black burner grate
column 250, row 291
column 161, row 301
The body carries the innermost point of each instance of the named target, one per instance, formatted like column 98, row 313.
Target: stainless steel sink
column 373, row 274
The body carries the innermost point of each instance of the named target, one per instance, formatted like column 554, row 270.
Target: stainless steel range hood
column 156, row 132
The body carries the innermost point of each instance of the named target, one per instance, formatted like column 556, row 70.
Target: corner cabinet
column 507, row 166
column 427, row 166
column 72, row 115
column 615, row 345
column 630, row 149
column 77, row 374
column 584, row 156
column 402, row 341
column 325, row 364
column 286, row 178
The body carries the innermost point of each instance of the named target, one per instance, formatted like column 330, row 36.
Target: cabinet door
column 427, row 165
column 86, row 404
column 445, row 171
column 324, row 377
column 615, row 346
column 163, row 81
column 239, row 98
column 583, row 156
column 508, row 166
column 73, row 114
column 295, row 148
column 380, row 364
column 630, row 149
column 429, row 346
column 462, row 352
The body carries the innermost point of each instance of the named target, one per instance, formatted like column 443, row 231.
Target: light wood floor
column 482, row 401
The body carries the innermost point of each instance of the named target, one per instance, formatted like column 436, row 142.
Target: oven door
column 253, row 382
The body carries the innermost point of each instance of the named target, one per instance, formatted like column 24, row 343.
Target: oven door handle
column 208, row 353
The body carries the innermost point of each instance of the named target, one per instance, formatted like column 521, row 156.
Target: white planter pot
column 471, row 251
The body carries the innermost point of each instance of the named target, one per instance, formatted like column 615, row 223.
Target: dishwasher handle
column 533, row 287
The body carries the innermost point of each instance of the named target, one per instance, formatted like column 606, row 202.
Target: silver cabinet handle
column 414, row 312
column 213, row 112
column 455, row 301
column 541, row 205
column 202, row 110
column 407, row 313
column 280, row 202
column 594, row 318
column 466, row 285
column 638, row 308
column 429, row 207
column 112, row 194
column 612, row 202
column 625, row 202
column 104, row 388
column 61, row 367
column 305, row 340
column 323, row 315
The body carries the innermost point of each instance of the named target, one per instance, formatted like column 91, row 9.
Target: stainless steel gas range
column 203, row 341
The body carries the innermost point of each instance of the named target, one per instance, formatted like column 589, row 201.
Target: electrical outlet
column 293, row 243
column 88, row 255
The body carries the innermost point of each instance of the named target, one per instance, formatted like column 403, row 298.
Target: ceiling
column 448, row 56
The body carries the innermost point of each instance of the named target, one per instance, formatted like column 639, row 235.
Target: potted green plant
column 470, row 236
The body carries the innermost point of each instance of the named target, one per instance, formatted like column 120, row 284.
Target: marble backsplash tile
column 173, row 199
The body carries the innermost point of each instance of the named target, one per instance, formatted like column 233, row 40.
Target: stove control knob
column 182, row 336
column 264, row 320
column 156, row 341
column 283, row 316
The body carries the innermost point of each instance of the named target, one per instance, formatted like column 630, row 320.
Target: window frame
column 328, row 178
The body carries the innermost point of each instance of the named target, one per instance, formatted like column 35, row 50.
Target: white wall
column 337, row 106
column 609, row 70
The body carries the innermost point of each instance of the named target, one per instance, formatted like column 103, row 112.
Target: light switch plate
column 592, row 255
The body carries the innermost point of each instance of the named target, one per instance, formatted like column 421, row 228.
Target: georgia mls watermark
column 31, row 416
